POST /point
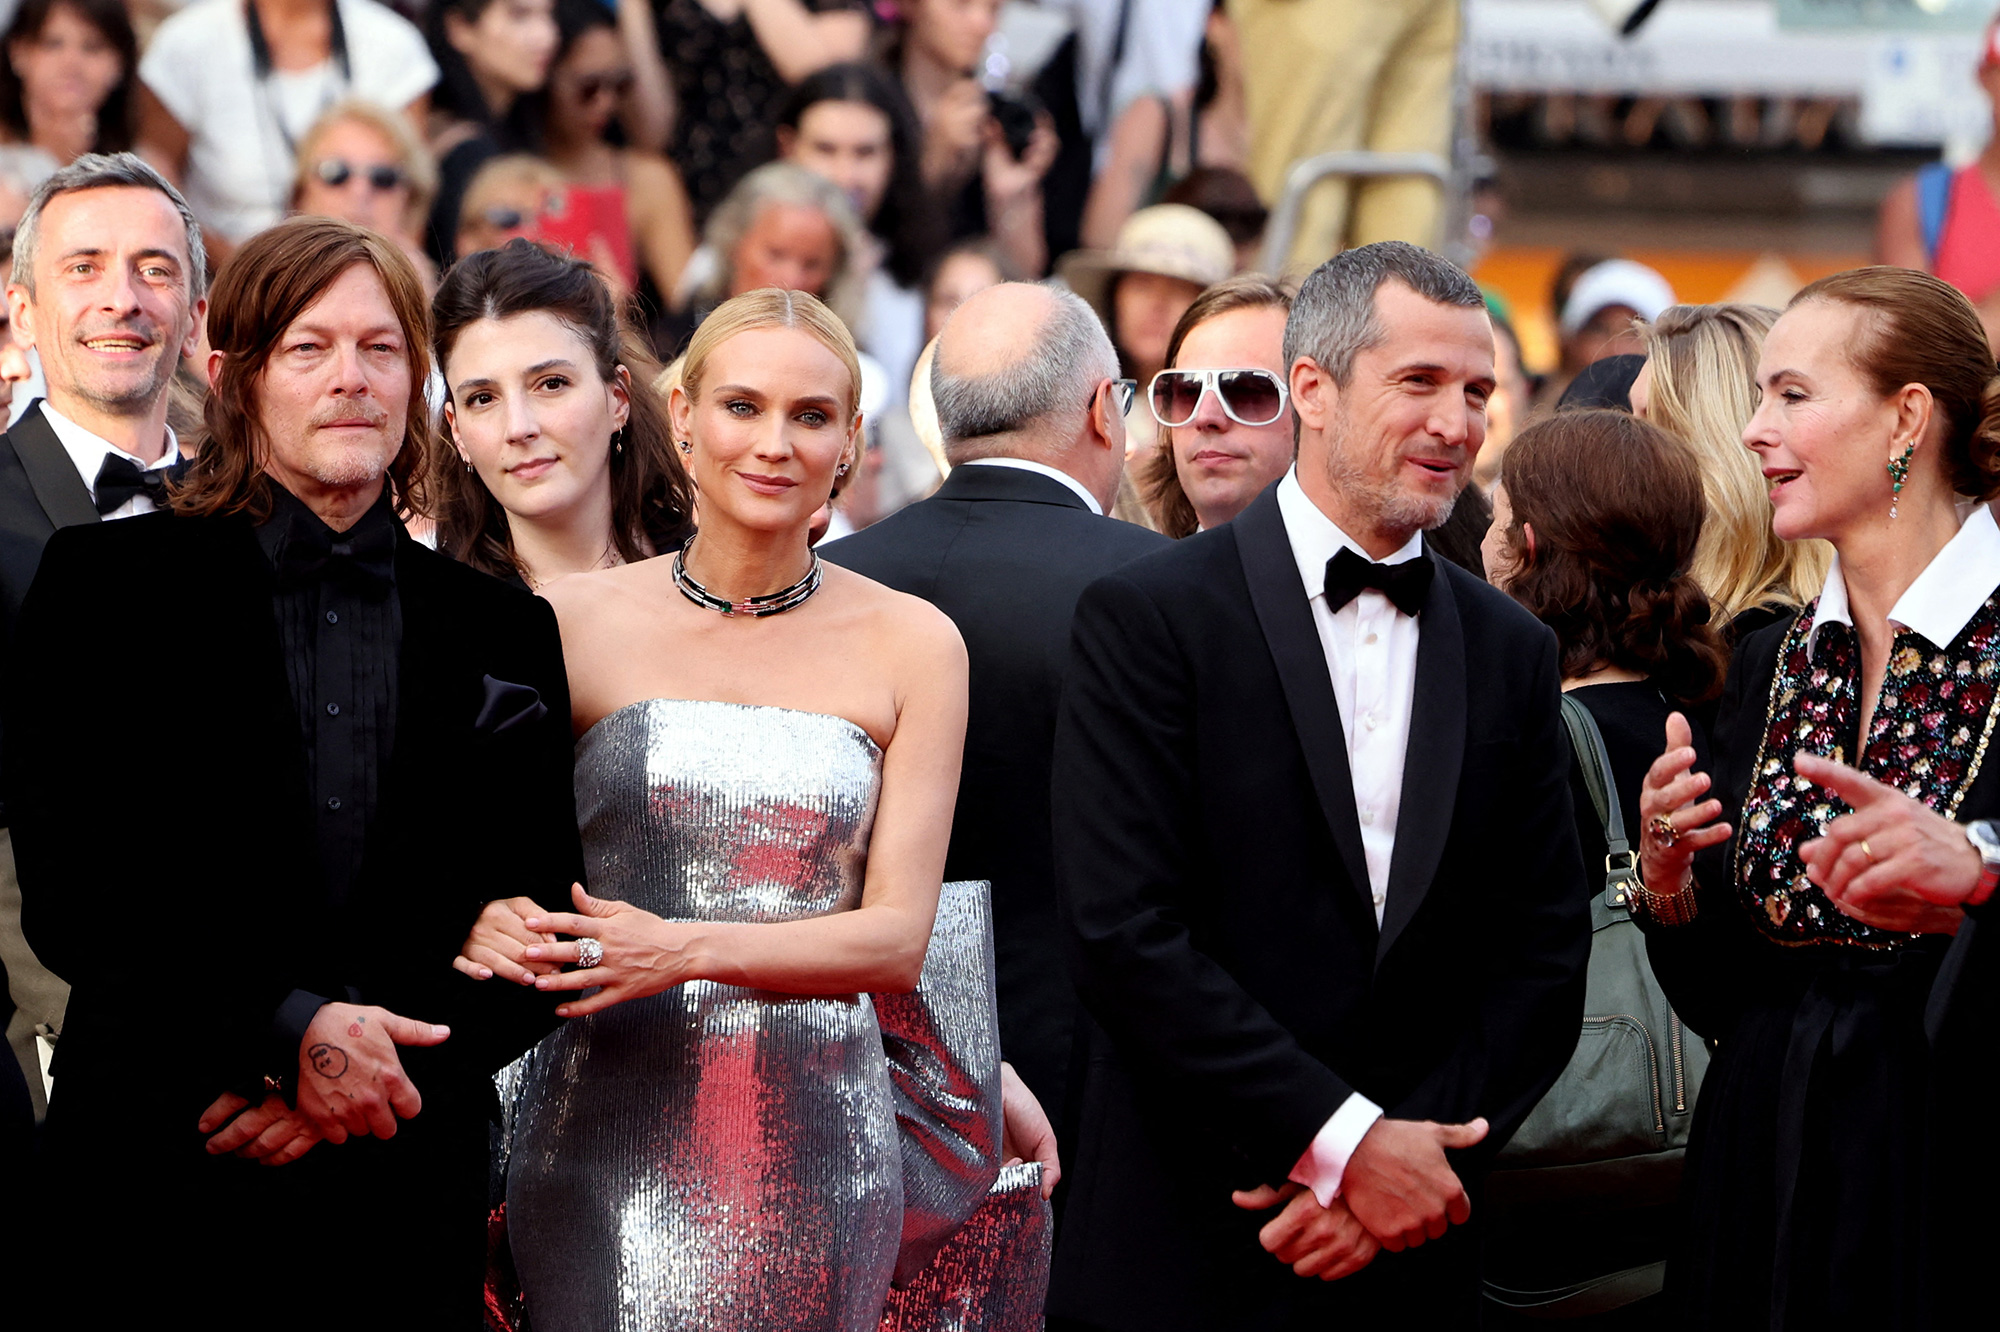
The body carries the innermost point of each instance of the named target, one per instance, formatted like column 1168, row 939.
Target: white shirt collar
column 1316, row 538
column 1946, row 595
column 1053, row 473
column 88, row 451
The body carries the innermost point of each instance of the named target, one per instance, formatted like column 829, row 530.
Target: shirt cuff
column 294, row 1015
column 1326, row 1159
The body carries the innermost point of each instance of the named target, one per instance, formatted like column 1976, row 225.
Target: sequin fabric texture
column 943, row 1044
column 1927, row 738
column 714, row 1159
column 993, row 1275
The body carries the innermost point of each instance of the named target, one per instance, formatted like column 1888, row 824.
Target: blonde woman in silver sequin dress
column 765, row 801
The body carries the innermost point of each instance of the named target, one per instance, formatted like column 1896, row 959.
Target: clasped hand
column 643, row 954
column 351, row 1082
column 1397, row 1191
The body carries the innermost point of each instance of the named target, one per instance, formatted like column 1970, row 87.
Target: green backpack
column 1612, row 1133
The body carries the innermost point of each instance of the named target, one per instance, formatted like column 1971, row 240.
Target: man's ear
column 21, row 315
column 1314, row 394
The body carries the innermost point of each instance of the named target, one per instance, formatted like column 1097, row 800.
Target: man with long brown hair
column 377, row 739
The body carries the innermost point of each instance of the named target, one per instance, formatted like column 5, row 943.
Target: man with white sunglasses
column 1033, row 418
column 1223, row 407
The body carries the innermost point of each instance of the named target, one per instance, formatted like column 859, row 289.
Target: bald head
column 1014, row 367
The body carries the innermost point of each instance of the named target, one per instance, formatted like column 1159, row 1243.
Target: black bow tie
column 1405, row 584
column 362, row 559
column 119, row 479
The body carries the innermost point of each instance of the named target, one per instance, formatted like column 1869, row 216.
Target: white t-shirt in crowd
column 241, row 130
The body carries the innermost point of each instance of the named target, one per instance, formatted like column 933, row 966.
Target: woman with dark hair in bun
column 1843, row 835
column 557, row 456
column 1596, row 519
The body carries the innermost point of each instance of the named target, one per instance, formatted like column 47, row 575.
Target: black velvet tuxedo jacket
column 1221, row 930
column 40, row 491
column 166, row 852
column 1005, row 553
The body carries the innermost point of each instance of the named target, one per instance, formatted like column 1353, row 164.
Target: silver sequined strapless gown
column 712, row 1158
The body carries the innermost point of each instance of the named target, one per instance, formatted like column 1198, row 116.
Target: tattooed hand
column 351, row 1080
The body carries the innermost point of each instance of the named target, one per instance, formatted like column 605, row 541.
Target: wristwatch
column 1985, row 838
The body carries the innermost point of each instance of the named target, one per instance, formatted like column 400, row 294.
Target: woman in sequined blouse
column 1851, row 746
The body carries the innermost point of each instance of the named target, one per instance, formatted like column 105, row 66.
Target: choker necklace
column 757, row 607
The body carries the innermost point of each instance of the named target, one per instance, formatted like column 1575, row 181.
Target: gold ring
column 1866, row 852
column 1663, row 829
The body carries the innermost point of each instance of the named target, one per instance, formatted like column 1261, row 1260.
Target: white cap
column 1616, row 282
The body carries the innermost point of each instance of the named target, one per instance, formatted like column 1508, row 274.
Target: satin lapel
column 1432, row 762
column 1285, row 615
column 51, row 472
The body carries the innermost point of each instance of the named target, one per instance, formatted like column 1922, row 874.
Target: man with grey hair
column 1032, row 414
column 108, row 288
column 1315, row 861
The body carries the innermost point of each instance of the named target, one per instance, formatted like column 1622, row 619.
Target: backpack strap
column 1620, row 866
column 1934, row 184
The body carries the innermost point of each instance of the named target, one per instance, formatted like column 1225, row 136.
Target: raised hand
column 1675, row 821
column 351, row 1080
column 500, row 940
column 1399, row 1185
column 1892, row 863
column 641, row 954
column 1314, row 1241
column 1026, row 1134
column 271, row 1132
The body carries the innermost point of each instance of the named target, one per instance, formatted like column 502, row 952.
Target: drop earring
column 1899, row 471
column 467, row 460
column 840, row 470
column 618, row 440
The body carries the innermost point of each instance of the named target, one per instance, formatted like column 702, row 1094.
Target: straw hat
column 1172, row 240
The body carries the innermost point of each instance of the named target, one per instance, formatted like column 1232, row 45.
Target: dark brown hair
column 652, row 501
column 273, row 279
column 1923, row 331
column 1616, row 505
column 115, row 115
column 1159, row 479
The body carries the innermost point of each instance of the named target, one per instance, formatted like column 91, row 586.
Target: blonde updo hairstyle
column 1704, row 369
column 771, row 307
column 1918, row 330
column 768, row 307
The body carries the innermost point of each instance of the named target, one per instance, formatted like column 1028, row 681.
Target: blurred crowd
column 892, row 159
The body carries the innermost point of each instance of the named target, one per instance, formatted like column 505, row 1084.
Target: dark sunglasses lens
column 384, row 178
column 1175, row 396
column 1251, row 394
column 334, row 172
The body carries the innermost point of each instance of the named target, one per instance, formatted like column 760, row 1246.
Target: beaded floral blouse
column 1928, row 739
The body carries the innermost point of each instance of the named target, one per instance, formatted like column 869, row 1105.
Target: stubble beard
column 1387, row 505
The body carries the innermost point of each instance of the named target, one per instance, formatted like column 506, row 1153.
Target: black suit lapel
column 1285, row 615
column 1432, row 760
column 51, row 472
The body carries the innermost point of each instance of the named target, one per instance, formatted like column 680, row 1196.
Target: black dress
column 1804, row 1186
column 1632, row 717
column 728, row 94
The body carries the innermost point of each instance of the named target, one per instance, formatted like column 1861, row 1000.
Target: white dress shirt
column 1371, row 660
column 1946, row 595
column 1054, row 474
column 88, row 452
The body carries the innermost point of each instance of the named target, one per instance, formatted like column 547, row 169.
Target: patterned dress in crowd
column 1807, row 1176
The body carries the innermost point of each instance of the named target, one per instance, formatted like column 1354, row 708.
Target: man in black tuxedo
column 273, row 1089
column 1315, row 855
column 1029, row 404
column 87, row 293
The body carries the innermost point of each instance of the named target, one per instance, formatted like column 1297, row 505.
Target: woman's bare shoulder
column 900, row 622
